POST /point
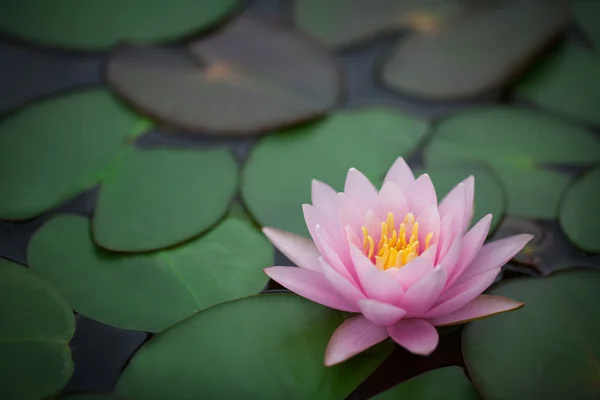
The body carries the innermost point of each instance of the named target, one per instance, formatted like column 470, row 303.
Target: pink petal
column 429, row 222
column 373, row 224
column 381, row 314
column 331, row 257
column 455, row 202
column 470, row 201
column 392, row 199
column 313, row 217
column 482, row 306
column 471, row 245
column 311, row 285
column 376, row 284
column 445, row 236
column 346, row 289
column 301, row 251
column 416, row 335
column 324, row 197
column 494, row 254
column 419, row 298
column 414, row 270
column 353, row 238
column 360, row 189
column 401, row 174
column 421, row 194
column 354, row 336
column 453, row 299
column 349, row 213
column 451, row 258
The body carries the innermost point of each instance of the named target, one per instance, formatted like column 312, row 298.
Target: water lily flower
column 404, row 263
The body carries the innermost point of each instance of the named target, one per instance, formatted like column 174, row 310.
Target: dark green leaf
column 91, row 396
column 587, row 16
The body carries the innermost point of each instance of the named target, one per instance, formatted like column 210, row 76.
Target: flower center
column 393, row 249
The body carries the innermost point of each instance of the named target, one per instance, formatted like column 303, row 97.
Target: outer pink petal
column 463, row 293
column 421, row 194
column 495, row 254
column 313, row 217
column 416, row 335
column 346, row 289
column 445, row 236
column 449, row 261
column 429, row 222
column 301, row 251
column 414, row 270
column 470, row 200
column 354, row 336
column 400, row 173
column 324, row 197
column 455, row 202
column 310, row 284
column 419, row 298
column 376, row 284
column 349, row 213
column 360, row 189
column 381, row 314
column 471, row 245
column 326, row 245
column 482, row 306
column 392, row 199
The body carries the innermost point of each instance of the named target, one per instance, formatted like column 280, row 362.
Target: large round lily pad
column 549, row 349
column 91, row 396
column 478, row 53
column 567, row 83
column 347, row 22
column 36, row 325
column 98, row 24
column 449, row 383
column 152, row 291
column 246, row 78
column 159, row 197
column 587, row 16
column 276, row 180
column 57, row 147
column 579, row 215
column 519, row 145
column 262, row 347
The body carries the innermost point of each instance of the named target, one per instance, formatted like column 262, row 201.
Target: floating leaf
column 568, row 83
column 58, row 147
column 516, row 144
column 35, row 328
column 489, row 197
column 99, row 25
column 579, row 217
column 277, row 177
column 160, row 197
column 587, row 16
column 554, row 339
column 448, row 383
column 346, row 22
column 246, row 78
column 262, row 347
column 149, row 292
column 90, row 396
column 478, row 53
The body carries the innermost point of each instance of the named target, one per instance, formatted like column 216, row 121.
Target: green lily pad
column 449, row 383
column 478, row 53
column 554, row 340
column 262, row 347
column 160, row 197
column 99, row 25
column 489, row 196
column 90, row 396
column 35, row 329
column 149, row 292
column 55, row 148
column 276, row 180
column 213, row 87
column 567, row 83
column 579, row 216
column 587, row 16
column 348, row 22
column 517, row 144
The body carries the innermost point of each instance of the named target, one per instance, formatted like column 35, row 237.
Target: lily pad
column 36, row 326
column 149, row 292
column 587, row 16
column 160, row 197
column 554, row 338
column 99, row 25
column 276, row 180
column 519, row 145
column 90, row 396
column 55, row 148
column 347, row 22
column 489, row 196
column 449, row 383
column 579, row 217
column 229, row 82
column 261, row 347
column 567, row 83
column 478, row 53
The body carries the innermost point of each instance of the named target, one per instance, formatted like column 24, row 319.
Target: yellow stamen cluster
column 393, row 250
